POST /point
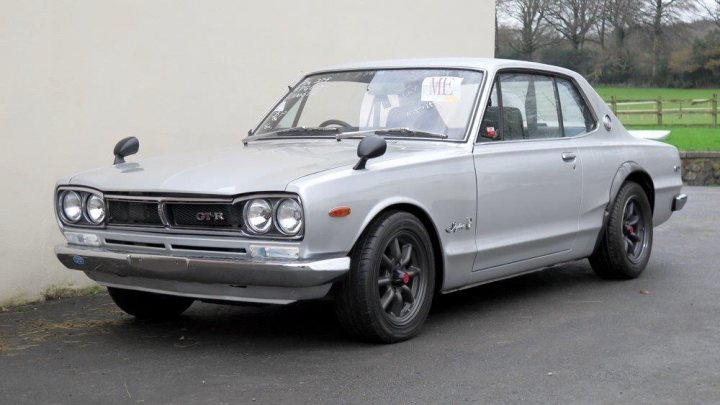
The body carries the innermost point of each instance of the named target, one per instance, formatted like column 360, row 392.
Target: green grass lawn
column 690, row 132
column 638, row 93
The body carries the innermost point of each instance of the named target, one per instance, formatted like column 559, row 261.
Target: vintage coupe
column 378, row 185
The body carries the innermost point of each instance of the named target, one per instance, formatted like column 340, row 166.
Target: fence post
column 658, row 110
column 613, row 104
column 715, row 110
column 680, row 105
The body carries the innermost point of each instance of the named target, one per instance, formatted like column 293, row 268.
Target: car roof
column 487, row 64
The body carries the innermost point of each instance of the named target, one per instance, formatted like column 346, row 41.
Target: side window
column 577, row 118
column 548, row 124
column 530, row 108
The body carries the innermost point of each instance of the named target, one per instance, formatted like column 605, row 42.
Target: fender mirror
column 370, row 147
column 125, row 147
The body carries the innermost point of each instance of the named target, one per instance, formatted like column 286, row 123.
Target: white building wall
column 78, row 75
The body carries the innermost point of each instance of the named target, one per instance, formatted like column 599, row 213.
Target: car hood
column 259, row 166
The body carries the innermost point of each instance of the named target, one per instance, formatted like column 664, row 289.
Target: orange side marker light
column 339, row 212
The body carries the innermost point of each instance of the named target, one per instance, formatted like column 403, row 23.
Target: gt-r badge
column 209, row 216
column 459, row 226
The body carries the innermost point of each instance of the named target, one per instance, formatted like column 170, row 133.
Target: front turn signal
column 339, row 212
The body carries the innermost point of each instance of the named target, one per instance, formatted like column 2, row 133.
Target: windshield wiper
column 391, row 131
column 307, row 131
column 294, row 131
column 410, row 132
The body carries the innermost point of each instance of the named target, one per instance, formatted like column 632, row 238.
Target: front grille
column 184, row 215
column 133, row 213
column 176, row 214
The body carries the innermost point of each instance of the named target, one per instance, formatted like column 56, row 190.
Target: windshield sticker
column 309, row 88
column 280, row 107
column 442, row 89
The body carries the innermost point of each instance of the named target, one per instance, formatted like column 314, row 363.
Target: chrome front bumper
column 258, row 280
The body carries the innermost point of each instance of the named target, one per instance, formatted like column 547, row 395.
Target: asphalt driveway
column 558, row 336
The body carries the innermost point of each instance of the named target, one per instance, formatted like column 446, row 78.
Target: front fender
column 443, row 187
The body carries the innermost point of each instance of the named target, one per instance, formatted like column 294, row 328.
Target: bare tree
column 657, row 15
column 531, row 16
column 713, row 10
column 574, row 19
column 499, row 4
column 621, row 16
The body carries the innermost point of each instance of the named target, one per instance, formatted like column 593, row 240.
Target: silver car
column 379, row 185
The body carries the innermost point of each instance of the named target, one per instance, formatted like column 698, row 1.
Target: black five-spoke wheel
column 388, row 292
column 624, row 250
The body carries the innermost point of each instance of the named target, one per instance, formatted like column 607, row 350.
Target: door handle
column 568, row 156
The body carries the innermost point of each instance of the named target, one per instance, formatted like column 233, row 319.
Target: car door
column 528, row 177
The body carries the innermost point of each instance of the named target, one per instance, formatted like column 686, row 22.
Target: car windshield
column 432, row 103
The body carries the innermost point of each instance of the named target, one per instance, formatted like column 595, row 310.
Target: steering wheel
column 335, row 122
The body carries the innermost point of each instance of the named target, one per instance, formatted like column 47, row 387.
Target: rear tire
column 387, row 294
column 145, row 305
column 626, row 243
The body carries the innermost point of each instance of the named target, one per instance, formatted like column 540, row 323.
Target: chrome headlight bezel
column 85, row 220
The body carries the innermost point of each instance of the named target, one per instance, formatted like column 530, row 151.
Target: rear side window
column 577, row 118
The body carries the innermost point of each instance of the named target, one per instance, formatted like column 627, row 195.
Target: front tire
column 387, row 294
column 625, row 247
column 145, row 305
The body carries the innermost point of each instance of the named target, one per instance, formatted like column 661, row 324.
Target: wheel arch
column 429, row 224
column 628, row 171
column 632, row 171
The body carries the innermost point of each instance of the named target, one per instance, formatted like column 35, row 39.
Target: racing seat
column 513, row 124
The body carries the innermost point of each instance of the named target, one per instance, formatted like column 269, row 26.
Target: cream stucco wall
column 77, row 75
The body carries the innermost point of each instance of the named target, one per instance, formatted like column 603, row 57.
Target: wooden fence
column 667, row 111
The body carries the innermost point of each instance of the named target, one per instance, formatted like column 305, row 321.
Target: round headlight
column 95, row 209
column 289, row 217
column 258, row 216
column 71, row 206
